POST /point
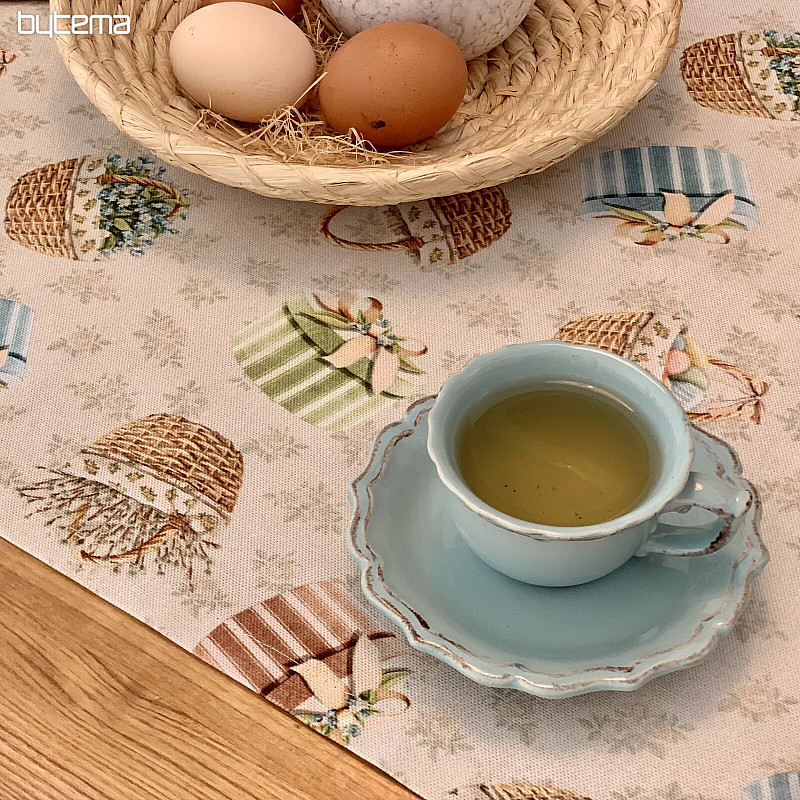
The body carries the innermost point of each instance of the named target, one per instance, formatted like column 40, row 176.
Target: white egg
column 476, row 26
column 242, row 60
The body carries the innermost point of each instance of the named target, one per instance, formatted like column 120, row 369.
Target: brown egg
column 289, row 7
column 396, row 84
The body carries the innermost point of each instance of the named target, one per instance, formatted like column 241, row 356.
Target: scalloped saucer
column 651, row 616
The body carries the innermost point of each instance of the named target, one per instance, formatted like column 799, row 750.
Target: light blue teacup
column 565, row 556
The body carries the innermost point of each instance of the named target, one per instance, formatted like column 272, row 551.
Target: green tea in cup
column 557, row 455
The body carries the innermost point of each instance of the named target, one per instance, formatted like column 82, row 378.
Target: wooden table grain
column 95, row 704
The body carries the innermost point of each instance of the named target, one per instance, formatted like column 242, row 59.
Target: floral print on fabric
column 668, row 194
column 153, row 491
column 331, row 360
column 311, row 651
column 136, row 206
column 89, row 208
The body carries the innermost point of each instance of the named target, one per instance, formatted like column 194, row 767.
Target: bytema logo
column 76, row 24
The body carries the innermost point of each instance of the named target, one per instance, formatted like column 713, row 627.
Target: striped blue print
column 16, row 320
column 636, row 177
column 784, row 786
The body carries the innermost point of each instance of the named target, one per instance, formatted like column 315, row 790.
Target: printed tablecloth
column 188, row 388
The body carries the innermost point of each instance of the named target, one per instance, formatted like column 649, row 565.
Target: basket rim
column 412, row 182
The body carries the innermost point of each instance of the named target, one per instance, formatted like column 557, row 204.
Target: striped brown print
column 332, row 607
column 255, row 669
column 294, row 616
column 258, row 646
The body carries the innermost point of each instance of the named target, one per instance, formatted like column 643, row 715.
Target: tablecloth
column 173, row 439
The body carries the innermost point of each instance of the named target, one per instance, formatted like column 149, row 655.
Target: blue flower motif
column 144, row 214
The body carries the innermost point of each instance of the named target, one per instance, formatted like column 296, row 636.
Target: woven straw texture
column 38, row 208
column 182, row 451
column 715, row 77
column 615, row 331
column 527, row 791
column 475, row 220
column 568, row 74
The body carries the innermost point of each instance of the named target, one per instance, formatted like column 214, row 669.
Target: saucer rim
column 421, row 636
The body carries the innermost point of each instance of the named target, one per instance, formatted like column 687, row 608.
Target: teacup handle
column 720, row 497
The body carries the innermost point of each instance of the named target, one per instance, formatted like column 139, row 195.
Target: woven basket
column 614, row 331
column 716, row 75
column 466, row 223
column 179, row 450
column 567, row 75
column 619, row 332
column 527, row 791
column 39, row 207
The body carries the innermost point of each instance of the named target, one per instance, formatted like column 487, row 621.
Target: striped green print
column 285, row 366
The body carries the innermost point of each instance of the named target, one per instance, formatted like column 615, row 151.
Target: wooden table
column 95, row 704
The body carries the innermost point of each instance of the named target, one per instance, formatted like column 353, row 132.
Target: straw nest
column 569, row 73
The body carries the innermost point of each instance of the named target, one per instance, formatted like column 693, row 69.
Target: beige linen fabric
column 145, row 321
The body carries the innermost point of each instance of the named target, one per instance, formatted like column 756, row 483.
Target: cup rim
column 452, row 480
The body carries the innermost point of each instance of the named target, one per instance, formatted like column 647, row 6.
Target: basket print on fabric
column 527, row 791
column 751, row 73
column 707, row 388
column 314, row 654
column 5, row 59
column 87, row 208
column 16, row 321
column 440, row 230
column 155, row 491
column 665, row 193
column 330, row 360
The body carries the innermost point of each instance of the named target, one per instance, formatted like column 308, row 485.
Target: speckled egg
column 242, row 60
column 476, row 26
column 395, row 84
